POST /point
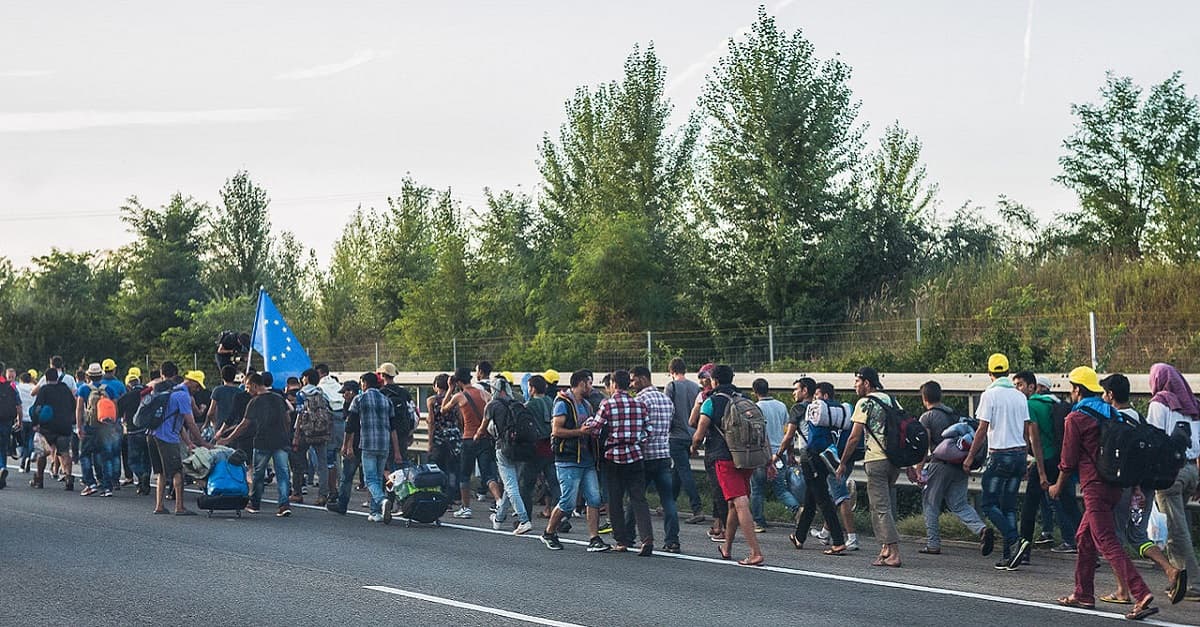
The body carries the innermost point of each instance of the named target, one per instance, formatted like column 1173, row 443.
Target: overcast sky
column 328, row 105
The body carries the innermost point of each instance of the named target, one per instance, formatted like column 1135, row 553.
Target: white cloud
column 24, row 73
column 1028, row 53
column 698, row 68
column 78, row 120
column 329, row 69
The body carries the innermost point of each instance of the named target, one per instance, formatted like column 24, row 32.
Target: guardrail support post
column 649, row 352
column 454, row 348
column 771, row 343
column 1092, row 324
column 918, row 330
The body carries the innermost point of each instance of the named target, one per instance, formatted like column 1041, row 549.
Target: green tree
column 512, row 258
column 1123, row 159
column 163, row 278
column 779, row 154
column 239, row 239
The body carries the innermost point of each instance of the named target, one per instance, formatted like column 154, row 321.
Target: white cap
column 1044, row 381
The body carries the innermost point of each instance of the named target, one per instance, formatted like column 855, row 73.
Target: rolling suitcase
column 226, row 489
column 415, row 494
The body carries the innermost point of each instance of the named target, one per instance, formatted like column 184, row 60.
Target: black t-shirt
column 59, row 397
column 268, row 416
column 223, row 395
column 229, row 341
column 353, row 428
column 128, row 405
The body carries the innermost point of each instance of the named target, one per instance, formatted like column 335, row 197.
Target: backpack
column 905, row 440
column 1058, row 418
column 229, row 340
column 100, row 409
column 1135, row 453
column 745, row 431
column 153, row 410
column 315, row 421
column 402, row 405
column 517, row 432
column 8, row 402
column 226, row 479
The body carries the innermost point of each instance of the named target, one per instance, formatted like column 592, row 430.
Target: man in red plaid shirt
column 625, row 424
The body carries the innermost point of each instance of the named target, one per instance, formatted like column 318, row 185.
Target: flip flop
column 796, row 542
column 724, row 555
column 841, row 551
column 1178, row 587
column 1073, row 602
column 750, row 562
column 161, row 511
column 1139, row 613
column 1116, row 600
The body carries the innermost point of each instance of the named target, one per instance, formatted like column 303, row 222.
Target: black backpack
column 1058, row 417
column 1135, row 453
column 153, row 410
column 906, row 441
column 401, row 404
column 516, row 430
column 8, row 404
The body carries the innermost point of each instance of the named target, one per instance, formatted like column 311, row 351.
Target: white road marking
column 786, row 571
column 537, row 620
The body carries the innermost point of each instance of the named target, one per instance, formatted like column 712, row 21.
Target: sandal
column 753, row 562
column 1178, row 587
column 724, row 554
column 1142, row 609
column 796, row 542
column 620, row 548
column 1071, row 601
column 1116, row 600
column 834, row 551
column 882, row 561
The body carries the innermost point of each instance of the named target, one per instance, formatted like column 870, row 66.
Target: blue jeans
column 346, row 481
column 681, row 469
column 333, row 448
column 1001, row 480
column 758, row 490
column 510, row 476
column 139, row 454
column 26, row 440
column 660, row 475
column 373, row 464
column 574, row 479
column 100, row 449
column 279, row 459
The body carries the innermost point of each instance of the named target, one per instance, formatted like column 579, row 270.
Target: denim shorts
column 483, row 452
column 838, row 490
column 574, row 479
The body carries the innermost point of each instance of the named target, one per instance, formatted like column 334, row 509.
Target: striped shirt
column 661, row 409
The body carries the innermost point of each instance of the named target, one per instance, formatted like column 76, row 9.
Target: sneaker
column 672, row 548
column 987, row 541
column 564, row 526
column 759, row 528
column 88, row 491
column 463, row 513
column 605, row 528
column 523, row 529
column 695, row 519
column 852, row 543
column 1064, row 548
column 70, row 487
column 3, row 477
column 106, row 493
column 1003, row 564
column 284, row 512
column 493, row 509
column 551, row 542
column 126, row 481
column 334, row 508
column 596, row 545
column 1023, row 548
column 1045, row 540
column 374, row 517
column 496, row 524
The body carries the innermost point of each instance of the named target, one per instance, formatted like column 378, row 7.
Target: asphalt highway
column 67, row 559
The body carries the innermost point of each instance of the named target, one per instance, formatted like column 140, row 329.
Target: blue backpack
column 226, row 479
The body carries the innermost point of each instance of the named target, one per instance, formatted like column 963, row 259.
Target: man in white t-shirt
column 1005, row 427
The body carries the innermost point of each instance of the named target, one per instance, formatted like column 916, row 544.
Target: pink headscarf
column 1171, row 389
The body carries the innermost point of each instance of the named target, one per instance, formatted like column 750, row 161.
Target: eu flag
column 283, row 356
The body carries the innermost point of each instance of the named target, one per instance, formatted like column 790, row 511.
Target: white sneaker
column 852, row 543
column 463, row 512
column 523, row 528
column 822, row 535
column 374, row 517
column 496, row 524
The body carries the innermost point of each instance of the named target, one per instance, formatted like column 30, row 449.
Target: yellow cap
column 1087, row 378
column 508, row 376
column 551, row 376
column 135, row 372
column 108, row 365
column 130, row 378
column 33, row 373
column 195, row 375
column 997, row 363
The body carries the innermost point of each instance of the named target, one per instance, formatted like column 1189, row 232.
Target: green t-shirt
column 1039, row 414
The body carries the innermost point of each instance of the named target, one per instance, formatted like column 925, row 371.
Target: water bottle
column 1136, row 506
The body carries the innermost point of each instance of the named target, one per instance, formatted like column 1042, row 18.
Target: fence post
column 147, row 363
column 649, row 353
column 1092, row 324
column 918, row 331
column 195, row 361
column 376, row 355
column 771, row 343
column 454, row 348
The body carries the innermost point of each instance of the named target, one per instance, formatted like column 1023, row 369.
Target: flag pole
column 254, row 331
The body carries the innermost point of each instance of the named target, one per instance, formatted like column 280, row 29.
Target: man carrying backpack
column 53, row 412
column 314, row 427
column 99, row 433
column 1097, row 530
column 1047, row 413
column 870, row 418
column 711, row 430
column 135, row 437
column 10, row 420
column 404, row 416
column 1005, row 428
column 503, row 417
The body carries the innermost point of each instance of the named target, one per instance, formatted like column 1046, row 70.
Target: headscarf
column 1171, row 389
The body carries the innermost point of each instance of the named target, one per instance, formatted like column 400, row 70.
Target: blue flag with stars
column 283, row 356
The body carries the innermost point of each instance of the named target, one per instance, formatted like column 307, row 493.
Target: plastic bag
column 41, row 447
column 1157, row 527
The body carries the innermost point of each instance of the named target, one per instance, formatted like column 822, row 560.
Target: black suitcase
column 424, row 507
column 222, row 503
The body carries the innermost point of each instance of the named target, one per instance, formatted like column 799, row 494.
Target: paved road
column 110, row 562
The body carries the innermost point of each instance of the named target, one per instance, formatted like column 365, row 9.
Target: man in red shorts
column 734, row 482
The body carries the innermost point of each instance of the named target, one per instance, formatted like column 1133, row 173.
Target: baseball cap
column 108, row 365
column 705, row 371
column 1087, row 378
column 870, row 375
column 997, row 363
column 195, row 375
column 135, row 371
column 387, row 368
column 130, row 378
column 1044, row 381
column 551, row 376
column 508, row 376
column 34, row 373
column 350, row 386
column 94, row 370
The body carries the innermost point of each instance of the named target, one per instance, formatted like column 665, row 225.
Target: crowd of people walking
column 550, row 452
